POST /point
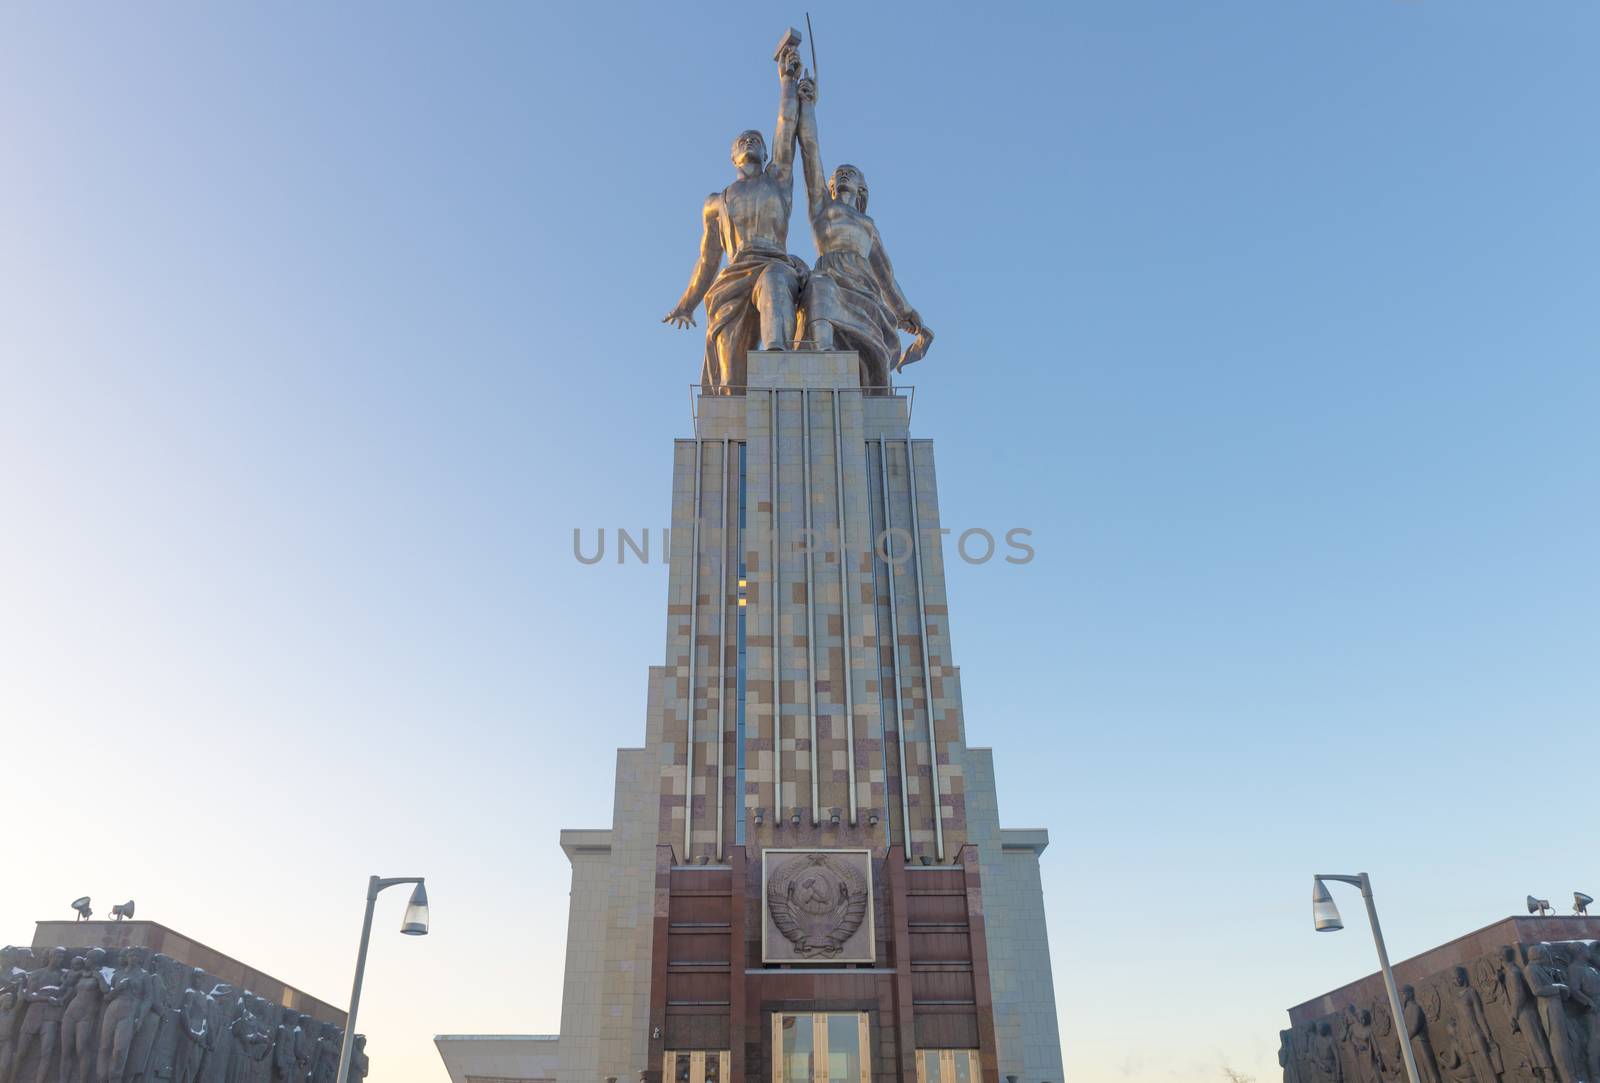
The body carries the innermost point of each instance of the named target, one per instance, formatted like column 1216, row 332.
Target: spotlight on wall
column 833, row 817
column 795, row 819
column 122, row 910
column 1580, row 902
column 1538, row 906
column 761, row 816
column 872, row 820
column 81, row 905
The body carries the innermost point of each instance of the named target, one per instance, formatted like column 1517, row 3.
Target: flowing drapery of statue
column 764, row 297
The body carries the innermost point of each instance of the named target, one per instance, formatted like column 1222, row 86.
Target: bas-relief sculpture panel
column 1514, row 1016
column 85, row 1015
column 816, row 906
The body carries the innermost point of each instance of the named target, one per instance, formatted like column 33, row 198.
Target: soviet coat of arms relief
column 817, row 906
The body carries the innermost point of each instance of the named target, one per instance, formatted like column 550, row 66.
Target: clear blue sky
column 322, row 327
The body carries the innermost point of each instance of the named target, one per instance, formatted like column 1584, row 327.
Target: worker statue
column 750, row 302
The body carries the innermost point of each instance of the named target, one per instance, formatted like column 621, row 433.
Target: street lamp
column 415, row 923
column 1325, row 915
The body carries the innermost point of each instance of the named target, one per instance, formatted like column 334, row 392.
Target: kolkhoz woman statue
column 851, row 300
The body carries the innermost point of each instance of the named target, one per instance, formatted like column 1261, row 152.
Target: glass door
column 820, row 1047
column 695, row 1066
column 948, row 1066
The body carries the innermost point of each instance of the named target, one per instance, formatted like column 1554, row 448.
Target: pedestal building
column 805, row 878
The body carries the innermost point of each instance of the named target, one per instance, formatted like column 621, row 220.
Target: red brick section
column 906, row 1033
column 928, row 987
column 740, row 908
column 988, row 1048
column 658, row 963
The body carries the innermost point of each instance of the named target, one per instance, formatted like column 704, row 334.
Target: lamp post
column 415, row 923
column 1325, row 915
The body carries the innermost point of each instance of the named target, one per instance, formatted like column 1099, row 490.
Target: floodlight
column 1538, row 906
column 81, row 905
column 122, row 910
column 1580, row 902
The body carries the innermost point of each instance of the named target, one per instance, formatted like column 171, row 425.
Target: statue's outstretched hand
column 911, row 322
column 681, row 316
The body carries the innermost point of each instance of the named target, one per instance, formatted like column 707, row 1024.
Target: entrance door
column 695, row 1066
column 820, row 1047
column 947, row 1066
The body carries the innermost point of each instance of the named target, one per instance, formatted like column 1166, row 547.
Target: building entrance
column 820, row 1047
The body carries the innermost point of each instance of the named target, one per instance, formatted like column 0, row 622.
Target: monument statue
column 193, row 1037
column 1391, row 1058
column 1363, row 1048
column 326, row 1067
column 305, row 1047
column 8, row 1024
column 359, row 1062
column 127, row 1005
column 1552, row 993
column 1583, row 974
column 141, row 1055
column 1522, row 1007
column 219, row 1045
column 1328, row 1064
column 751, row 301
column 284, row 1067
column 80, row 1023
column 1417, row 1031
column 1473, row 1037
column 252, row 1039
column 851, row 300
column 45, row 992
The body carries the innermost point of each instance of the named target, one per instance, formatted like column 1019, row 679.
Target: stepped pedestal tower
column 806, row 877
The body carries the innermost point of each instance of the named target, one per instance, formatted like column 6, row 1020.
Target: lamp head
column 415, row 922
column 1538, row 906
column 1580, row 902
column 81, row 905
column 122, row 910
column 1324, row 914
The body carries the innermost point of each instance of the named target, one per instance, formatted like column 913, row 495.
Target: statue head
column 1365, row 1016
column 1461, row 976
column 197, row 978
column 303, row 1021
column 1509, row 953
column 79, row 963
column 849, row 185
column 361, row 1041
column 749, row 150
column 1594, row 952
column 95, row 958
column 1408, row 992
column 1539, row 953
column 57, row 959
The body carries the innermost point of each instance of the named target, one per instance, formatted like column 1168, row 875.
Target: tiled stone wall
column 1019, row 945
